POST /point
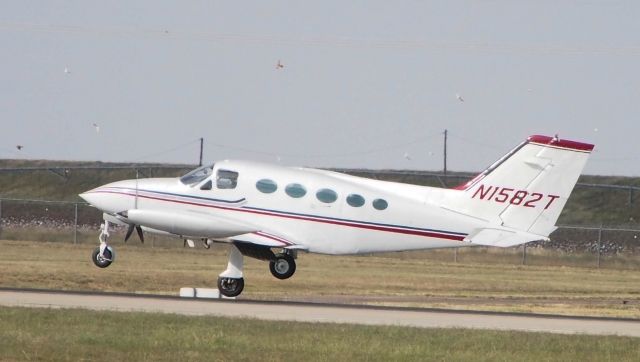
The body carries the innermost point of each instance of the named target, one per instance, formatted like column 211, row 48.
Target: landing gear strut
column 103, row 255
column 231, row 281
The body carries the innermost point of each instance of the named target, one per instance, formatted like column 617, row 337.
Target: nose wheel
column 104, row 259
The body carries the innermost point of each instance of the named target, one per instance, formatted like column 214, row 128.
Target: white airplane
column 258, row 208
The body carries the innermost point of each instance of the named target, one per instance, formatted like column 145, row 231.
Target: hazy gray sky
column 364, row 84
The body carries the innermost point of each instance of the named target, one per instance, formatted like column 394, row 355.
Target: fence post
column 0, row 219
column 599, row 243
column 524, row 254
column 75, row 225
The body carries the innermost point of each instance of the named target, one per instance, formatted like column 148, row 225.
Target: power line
column 345, row 42
column 381, row 148
column 169, row 150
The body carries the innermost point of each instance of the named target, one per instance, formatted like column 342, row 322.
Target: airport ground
column 478, row 281
column 417, row 279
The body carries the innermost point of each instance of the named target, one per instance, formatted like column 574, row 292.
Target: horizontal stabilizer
column 501, row 237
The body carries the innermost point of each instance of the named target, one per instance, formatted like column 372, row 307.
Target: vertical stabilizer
column 528, row 187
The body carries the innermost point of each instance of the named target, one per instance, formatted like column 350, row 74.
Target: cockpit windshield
column 197, row 175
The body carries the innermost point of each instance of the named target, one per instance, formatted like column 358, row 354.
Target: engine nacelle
column 205, row 226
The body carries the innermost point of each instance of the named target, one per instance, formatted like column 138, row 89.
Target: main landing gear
column 282, row 266
column 103, row 255
column 231, row 281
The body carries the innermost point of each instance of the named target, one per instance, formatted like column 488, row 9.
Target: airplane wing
column 189, row 223
column 268, row 239
column 209, row 226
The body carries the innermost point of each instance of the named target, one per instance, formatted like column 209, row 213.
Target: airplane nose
column 85, row 196
column 90, row 197
column 111, row 198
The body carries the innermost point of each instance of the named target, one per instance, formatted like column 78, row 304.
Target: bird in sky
column 407, row 156
column 19, row 147
column 459, row 97
column 279, row 65
column 97, row 127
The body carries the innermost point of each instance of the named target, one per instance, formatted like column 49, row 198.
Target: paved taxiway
column 310, row 312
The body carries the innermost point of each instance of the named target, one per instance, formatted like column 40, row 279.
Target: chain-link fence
column 59, row 221
column 584, row 246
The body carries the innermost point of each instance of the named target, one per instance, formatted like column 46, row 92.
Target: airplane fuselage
column 366, row 215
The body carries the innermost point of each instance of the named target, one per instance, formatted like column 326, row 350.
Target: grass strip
column 71, row 335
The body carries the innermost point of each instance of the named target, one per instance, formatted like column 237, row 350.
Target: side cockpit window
column 196, row 176
column 206, row 186
column 226, row 179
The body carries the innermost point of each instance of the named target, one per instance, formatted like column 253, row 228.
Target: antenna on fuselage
column 135, row 205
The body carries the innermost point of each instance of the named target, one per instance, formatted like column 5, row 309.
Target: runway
column 326, row 313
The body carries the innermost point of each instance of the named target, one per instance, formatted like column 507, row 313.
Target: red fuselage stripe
column 296, row 217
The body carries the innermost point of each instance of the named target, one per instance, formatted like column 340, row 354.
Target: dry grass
column 406, row 279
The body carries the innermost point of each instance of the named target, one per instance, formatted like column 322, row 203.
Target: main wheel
column 283, row 266
column 103, row 261
column 230, row 287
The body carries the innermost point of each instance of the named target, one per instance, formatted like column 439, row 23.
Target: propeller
column 130, row 231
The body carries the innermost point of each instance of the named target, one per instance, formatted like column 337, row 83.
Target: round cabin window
column 326, row 195
column 266, row 186
column 355, row 200
column 295, row 190
column 380, row 204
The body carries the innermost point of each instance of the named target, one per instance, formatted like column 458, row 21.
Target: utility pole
column 201, row 147
column 599, row 243
column 445, row 152
column 75, row 225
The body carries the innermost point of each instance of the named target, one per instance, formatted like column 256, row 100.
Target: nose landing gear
column 103, row 255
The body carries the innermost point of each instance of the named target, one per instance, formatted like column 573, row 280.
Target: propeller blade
column 129, row 232
column 140, row 234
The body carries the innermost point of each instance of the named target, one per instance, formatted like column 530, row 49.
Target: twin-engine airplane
column 258, row 208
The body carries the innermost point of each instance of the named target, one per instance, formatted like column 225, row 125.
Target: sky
column 363, row 84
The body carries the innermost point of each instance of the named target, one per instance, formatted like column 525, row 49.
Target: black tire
column 283, row 266
column 230, row 287
column 101, row 262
